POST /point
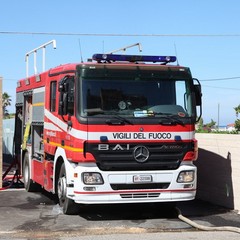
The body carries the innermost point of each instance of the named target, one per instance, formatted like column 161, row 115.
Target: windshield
column 135, row 97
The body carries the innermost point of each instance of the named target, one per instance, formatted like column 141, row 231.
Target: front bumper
column 162, row 188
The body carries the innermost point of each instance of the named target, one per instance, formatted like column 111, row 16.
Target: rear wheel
column 68, row 205
column 29, row 184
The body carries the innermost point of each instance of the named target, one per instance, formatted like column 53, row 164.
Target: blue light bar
column 132, row 58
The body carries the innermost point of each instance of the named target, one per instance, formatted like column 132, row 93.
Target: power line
column 10, row 79
column 224, row 88
column 219, row 79
column 116, row 34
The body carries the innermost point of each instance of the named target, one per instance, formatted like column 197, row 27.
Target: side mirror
column 63, row 97
column 198, row 96
column 198, row 92
column 63, row 85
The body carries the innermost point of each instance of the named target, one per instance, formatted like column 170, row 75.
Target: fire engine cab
column 116, row 129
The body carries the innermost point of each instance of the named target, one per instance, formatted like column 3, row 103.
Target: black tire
column 68, row 205
column 29, row 184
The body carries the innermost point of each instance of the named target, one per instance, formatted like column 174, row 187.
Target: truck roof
column 101, row 60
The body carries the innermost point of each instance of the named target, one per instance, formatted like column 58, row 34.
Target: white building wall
column 219, row 169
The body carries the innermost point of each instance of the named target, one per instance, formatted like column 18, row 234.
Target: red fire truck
column 115, row 129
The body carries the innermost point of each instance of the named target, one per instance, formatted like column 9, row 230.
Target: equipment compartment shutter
column 38, row 105
column 19, row 99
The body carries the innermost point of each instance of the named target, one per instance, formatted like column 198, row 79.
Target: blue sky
column 210, row 57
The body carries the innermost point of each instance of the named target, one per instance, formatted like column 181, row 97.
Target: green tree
column 6, row 101
column 237, row 122
column 237, row 110
column 200, row 124
column 211, row 124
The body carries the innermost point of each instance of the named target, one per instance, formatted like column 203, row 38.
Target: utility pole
column 1, row 137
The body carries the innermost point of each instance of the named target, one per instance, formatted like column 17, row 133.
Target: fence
column 8, row 135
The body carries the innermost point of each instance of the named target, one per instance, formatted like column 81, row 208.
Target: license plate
column 142, row 178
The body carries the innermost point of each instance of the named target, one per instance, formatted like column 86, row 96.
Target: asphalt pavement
column 37, row 216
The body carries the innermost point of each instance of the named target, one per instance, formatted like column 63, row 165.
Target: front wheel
column 68, row 205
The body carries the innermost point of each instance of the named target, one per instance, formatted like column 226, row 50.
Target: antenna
column 80, row 48
column 176, row 53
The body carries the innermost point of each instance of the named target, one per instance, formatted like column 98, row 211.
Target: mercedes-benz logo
column 141, row 154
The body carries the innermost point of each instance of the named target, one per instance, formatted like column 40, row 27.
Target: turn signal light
column 192, row 155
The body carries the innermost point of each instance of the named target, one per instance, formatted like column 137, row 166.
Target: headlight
column 92, row 178
column 186, row 177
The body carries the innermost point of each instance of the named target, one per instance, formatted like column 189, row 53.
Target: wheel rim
column 62, row 188
column 26, row 174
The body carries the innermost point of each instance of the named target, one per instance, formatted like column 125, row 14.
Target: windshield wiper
column 169, row 119
column 117, row 119
column 94, row 111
